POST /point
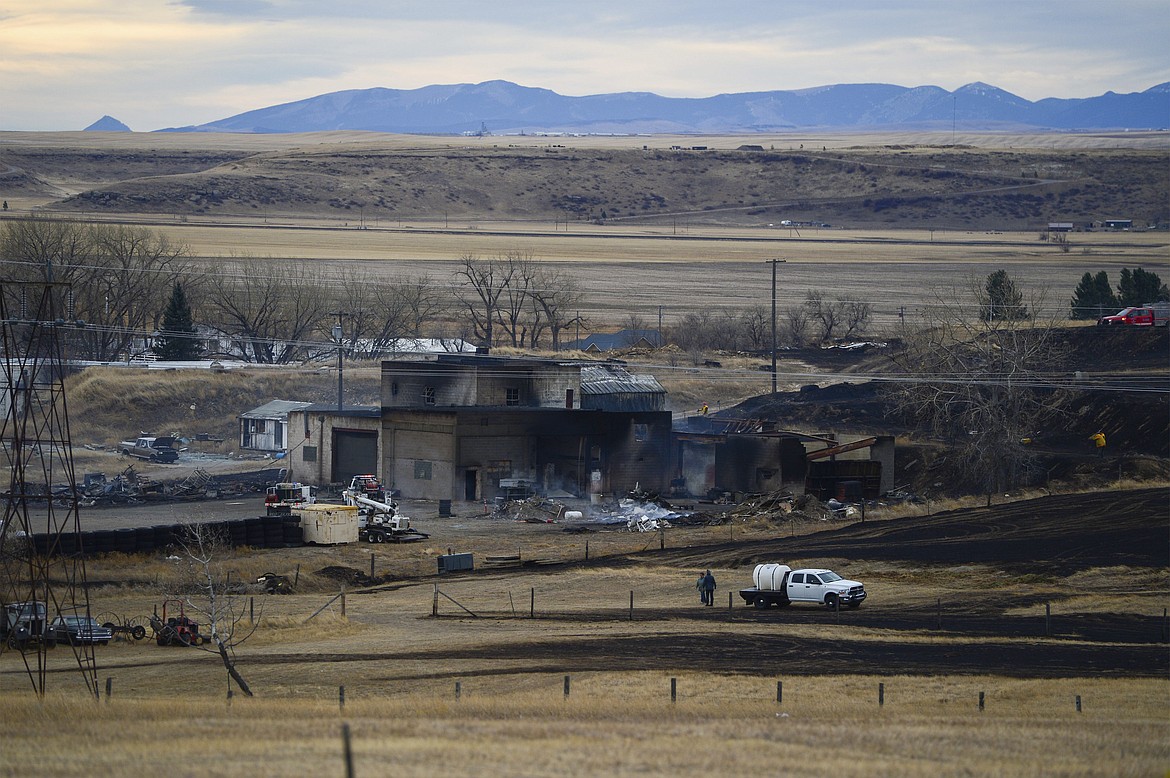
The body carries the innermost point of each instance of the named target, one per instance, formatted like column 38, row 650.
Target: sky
column 153, row 64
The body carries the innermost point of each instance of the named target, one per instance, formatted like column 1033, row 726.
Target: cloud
column 157, row 63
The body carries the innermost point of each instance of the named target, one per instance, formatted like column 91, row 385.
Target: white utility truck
column 780, row 585
column 378, row 519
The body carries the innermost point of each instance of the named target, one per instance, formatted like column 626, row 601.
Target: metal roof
column 274, row 409
column 611, row 379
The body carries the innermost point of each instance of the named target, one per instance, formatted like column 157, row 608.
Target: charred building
column 455, row 426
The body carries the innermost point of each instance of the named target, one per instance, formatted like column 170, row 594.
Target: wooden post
column 661, row 538
column 297, row 575
column 586, row 550
column 1078, row 702
column 1047, row 619
column 458, row 689
column 251, row 610
column 435, row 604
column 532, row 603
column 729, row 607
column 567, row 690
column 779, row 692
column 674, row 690
column 348, row 750
column 110, row 689
column 343, row 601
column 981, row 701
column 341, row 697
column 631, row 604
column 881, row 694
column 939, row 627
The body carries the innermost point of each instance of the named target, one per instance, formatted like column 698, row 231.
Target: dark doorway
column 470, row 482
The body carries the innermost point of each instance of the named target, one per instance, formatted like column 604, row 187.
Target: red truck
column 1148, row 315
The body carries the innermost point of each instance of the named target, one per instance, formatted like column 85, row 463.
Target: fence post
column 980, row 701
column 532, row 603
column 251, row 610
column 347, row 750
column 435, row 604
column 631, row 604
column 881, row 694
column 1078, row 703
column 109, row 688
column 343, row 600
column 939, row 627
column 297, row 575
column 1047, row 619
column 673, row 689
column 458, row 689
column 779, row 692
column 586, row 550
column 567, row 688
column 341, row 697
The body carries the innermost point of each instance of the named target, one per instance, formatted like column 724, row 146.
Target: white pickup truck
column 150, row 448
column 781, row 585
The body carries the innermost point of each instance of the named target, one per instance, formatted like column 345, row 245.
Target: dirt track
column 964, row 632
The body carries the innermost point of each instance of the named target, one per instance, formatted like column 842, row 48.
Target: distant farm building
column 610, row 341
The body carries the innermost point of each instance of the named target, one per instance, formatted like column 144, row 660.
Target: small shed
column 328, row 525
column 266, row 428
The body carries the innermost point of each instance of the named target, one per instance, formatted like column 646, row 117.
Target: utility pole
column 337, row 336
column 774, row 263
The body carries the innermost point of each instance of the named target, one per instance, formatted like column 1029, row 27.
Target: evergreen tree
column 1140, row 287
column 999, row 300
column 176, row 341
column 1093, row 297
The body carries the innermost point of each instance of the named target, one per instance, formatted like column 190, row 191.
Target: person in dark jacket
column 708, row 588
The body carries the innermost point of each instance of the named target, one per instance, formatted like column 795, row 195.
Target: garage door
column 354, row 452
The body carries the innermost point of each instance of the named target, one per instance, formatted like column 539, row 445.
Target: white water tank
column 770, row 577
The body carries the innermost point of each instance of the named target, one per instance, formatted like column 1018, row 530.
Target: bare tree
column 857, row 315
column 979, row 383
column 120, row 277
column 556, row 296
column 207, row 594
column 515, row 312
column 796, row 327
column 272, row 310
column 486, row 281
column 823, row 312
column 420, row 297
column 756, row 324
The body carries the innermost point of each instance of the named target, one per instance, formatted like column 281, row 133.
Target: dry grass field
column 480, row 687
column 957, row 596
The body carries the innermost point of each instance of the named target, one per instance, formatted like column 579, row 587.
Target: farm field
column 1031, row 605
column 625, row 272
column 957, row 609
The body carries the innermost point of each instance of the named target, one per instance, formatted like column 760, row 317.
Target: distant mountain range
column 501, row 107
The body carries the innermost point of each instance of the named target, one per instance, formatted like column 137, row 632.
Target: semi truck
column 780, row 585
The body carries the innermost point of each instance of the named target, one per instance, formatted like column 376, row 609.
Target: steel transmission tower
column 41, row 559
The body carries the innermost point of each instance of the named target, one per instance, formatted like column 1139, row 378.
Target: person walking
column 709, row 588
column 700, row 584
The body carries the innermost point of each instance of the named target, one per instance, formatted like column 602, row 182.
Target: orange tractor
column 174, row 630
